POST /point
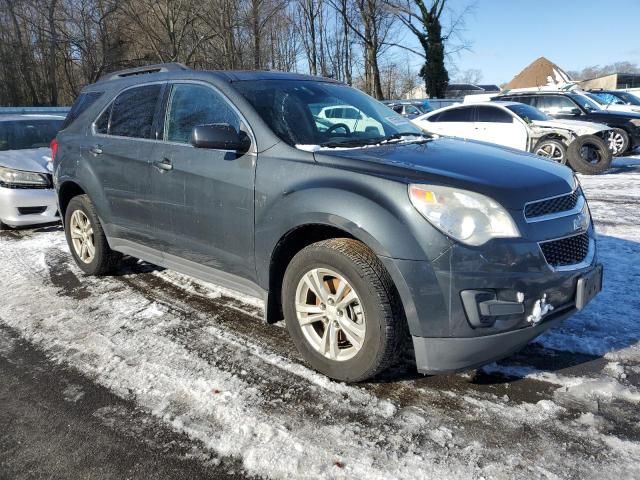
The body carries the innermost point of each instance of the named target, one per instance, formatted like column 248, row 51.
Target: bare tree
column 372, row 27
column 424, row 19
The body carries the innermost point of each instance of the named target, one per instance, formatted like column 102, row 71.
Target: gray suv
column 362, row 233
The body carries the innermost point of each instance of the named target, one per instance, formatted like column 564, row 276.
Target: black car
column 616, row 97
column 364, row 235
column 575, row 105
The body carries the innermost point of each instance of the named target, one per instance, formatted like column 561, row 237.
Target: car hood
column 608, row 115
column 577, row 126
column 622, row 108
column 29, row 160
column 509, row 176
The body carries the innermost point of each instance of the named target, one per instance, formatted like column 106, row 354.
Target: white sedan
column 27, row 196
column 523, row 127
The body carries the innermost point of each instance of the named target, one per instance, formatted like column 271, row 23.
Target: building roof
column 541, row 72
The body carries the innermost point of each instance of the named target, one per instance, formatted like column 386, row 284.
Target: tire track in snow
column 443, row 436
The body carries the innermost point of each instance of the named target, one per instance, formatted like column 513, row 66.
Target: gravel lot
column 150, row 374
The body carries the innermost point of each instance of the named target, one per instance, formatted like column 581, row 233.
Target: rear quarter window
column 82, row 103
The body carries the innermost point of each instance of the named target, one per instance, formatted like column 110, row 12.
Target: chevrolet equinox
column 354, row 226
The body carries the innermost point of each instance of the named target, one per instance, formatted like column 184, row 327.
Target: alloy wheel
column 552, row 151
column 616, row 142
column 330, row 314
column 82, row 236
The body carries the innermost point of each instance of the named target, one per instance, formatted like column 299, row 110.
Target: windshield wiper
column 362, row 142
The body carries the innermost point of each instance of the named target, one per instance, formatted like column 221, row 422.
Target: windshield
column 527, row 112
column 23, row 134
column 303, row 112
column 596, row 98
column 628, row 98
column 586, row 103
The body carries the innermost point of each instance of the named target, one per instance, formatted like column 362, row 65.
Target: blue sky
column 507, row 35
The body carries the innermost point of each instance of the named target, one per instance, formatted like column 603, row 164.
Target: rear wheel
column 618, row 141
column 589, row 155
column 86, row 239
column 342, row 311
column 552, row 149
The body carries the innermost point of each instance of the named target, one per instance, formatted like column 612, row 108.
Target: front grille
column 31, row 210
column 553, row 205
column 566, row 251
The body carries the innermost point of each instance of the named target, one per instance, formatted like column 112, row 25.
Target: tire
column 104, row 260
column 589, row 154
column 375, row 318
column 551, row 148
column 618, row 141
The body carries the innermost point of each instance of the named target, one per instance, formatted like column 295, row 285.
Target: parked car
column 575, row 105
column 350, row 119
column 27, row 196
column 615, row 100
column 516, row 125
column 360, row 239
column 409, row 108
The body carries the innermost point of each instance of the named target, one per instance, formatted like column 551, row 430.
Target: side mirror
column 575, row 111
column 221, row 136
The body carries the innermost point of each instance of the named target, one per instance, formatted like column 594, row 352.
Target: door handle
column 96, row 150
column 163, row 166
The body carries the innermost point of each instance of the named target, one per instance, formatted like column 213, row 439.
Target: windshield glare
column 527, row 112
column 303, row 112
column 586, row 103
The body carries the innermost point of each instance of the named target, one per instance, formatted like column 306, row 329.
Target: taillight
column 54, row 148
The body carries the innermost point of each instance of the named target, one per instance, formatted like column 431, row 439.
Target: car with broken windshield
column 369, row 242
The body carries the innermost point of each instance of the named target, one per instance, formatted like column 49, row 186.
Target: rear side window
column 132, row 113
column 463, row 114
column 493, row 115
column 192, row 105
column 84, row 101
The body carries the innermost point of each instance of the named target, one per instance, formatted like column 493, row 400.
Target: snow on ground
column 198, row 358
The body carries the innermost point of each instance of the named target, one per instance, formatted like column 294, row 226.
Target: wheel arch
column 66, row 191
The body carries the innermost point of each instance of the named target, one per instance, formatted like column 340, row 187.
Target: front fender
column 374, row 210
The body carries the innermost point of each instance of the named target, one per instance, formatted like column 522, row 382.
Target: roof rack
column 158, row 68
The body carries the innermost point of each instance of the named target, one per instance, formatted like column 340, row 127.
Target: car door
column 203, row 199
column 496, row 125
column 119, row 149
column 453, row 122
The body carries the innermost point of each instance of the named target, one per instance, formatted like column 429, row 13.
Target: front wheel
column 86, row 239
column 618, row 141
column 589, row 154
column 552, row 149
column 342, row 310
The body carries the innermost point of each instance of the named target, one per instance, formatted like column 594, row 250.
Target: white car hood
column 29, row 160
column 576, row 126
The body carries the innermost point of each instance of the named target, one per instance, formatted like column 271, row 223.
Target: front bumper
column 444, row 355
column 21, row 207
column 446, row 337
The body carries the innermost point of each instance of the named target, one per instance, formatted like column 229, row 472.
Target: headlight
column 17, row 178
column 635, row 122
column 468, row 217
